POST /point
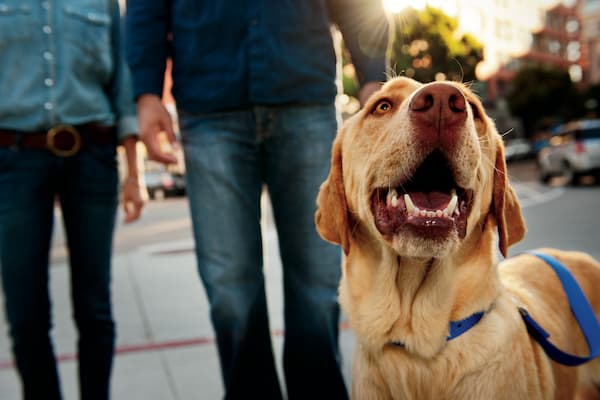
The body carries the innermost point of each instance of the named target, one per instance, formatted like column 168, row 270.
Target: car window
column 593, row 133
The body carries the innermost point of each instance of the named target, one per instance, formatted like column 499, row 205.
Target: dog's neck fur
column 427, row 294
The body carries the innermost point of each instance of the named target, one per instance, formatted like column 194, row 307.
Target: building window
column 554, row 47
column 572, row 26
column 573, row 51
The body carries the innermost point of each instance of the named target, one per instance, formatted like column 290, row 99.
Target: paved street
column 165, row 344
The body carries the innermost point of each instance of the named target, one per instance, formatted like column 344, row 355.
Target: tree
column 540, row 95
column 427, row 44
column 591, row 100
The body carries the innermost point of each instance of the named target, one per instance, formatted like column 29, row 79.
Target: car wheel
column 545, row 178
column 159, row 194
column 569, row 175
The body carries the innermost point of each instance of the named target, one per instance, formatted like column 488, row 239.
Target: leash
column 455, row 328
column 581, row 309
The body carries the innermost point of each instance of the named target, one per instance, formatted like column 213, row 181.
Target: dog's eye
column 382, row 107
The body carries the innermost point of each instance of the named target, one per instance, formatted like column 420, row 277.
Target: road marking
column 154, row 346
column 531, row 193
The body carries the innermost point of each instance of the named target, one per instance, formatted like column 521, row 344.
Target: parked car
column 517, row 149
column 574, row 150
column 161, row 184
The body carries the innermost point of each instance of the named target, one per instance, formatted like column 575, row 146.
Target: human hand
column 367, row 90
column 133, row 198
column 154, row 120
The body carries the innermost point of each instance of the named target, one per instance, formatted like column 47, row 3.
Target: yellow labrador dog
column 416, row 194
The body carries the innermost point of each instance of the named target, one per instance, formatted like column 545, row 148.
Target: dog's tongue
column 430, row 200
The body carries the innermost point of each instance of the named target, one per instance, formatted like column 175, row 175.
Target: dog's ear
column 331, row 217
column 511, row 225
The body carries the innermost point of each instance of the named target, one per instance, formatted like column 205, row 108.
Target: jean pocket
column 13, row 24
column 104, row 155
column 8, row 156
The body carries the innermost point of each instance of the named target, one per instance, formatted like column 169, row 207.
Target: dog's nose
column 438, row 109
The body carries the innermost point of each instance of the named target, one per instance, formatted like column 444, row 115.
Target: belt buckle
column 58, row 131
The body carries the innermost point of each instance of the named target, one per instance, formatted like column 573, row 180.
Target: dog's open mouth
column 429, row 203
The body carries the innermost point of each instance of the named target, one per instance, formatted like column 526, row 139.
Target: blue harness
column 581, row 309
column 584, row 314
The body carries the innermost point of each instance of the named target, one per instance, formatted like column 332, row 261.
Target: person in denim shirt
column 255, row 87
column 66, row 104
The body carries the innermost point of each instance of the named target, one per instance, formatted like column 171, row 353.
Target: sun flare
column 396, row 6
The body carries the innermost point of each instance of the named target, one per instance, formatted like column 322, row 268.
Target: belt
column 61, row 140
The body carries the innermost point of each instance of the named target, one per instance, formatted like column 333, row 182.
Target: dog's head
column 421, row 169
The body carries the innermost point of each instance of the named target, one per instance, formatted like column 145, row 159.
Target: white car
column 574, row 150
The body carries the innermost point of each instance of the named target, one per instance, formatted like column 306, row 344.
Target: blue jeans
column 86, row 186
column 229, row 157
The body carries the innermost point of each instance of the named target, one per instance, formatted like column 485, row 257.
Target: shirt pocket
column 13, row 21
column 89, row 29
column 87, row 33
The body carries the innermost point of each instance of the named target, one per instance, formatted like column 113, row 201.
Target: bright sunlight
column 396, row 6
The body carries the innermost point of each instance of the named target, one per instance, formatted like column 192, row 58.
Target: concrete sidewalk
column 165, row 343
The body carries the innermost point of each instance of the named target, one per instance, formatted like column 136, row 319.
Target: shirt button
column 48, row 56
column 254, row 22
column 48, row 82
column 48, row 106
column 47, row 30
column 45, row 5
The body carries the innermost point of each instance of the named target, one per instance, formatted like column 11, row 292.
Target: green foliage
column 427, row 43
column 542, row 95
column 350, row 83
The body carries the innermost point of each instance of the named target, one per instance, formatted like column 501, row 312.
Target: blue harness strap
column 581, row 309
column 455, row 328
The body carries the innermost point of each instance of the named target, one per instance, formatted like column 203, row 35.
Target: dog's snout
column 448, row 99
column 438, row 109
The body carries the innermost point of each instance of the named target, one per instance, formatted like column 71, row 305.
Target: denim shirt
column 238, row 53
column 63, row 63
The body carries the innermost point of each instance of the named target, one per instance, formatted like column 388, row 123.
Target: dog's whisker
column 510, row 130
column 391, row 72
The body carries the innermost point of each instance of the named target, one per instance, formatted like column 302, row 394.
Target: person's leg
column 298, row 149
column 224, row 186
column 26, row 217
column 88, row 197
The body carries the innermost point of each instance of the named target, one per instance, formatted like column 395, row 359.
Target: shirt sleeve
column 365, row 28
column 147, row 32
column 120, row 89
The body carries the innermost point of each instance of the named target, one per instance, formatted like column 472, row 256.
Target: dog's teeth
column 392, row 194
column 453, row 202
column 414, row 211
column 410, row 207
